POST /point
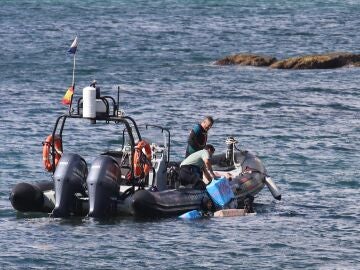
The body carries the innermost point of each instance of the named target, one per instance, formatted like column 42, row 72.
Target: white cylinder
column 273, row 188
column 89, row 102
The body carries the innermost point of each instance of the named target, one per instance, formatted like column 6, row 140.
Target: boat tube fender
column 142, row 159
column 26, row 197
column 273, row 188
column 47, row 152
column 220, row 191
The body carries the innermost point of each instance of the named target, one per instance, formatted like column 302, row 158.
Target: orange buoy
column 142, row 166
column 47, row 155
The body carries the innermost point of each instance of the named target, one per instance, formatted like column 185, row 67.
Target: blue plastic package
column 220, row 191
column 194, row 214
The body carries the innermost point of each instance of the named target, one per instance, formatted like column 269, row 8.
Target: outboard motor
column 103, row 186
column 70, row 179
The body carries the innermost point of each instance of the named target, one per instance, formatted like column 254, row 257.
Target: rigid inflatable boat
column 136, row 178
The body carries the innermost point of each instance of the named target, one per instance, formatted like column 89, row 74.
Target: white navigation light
column 89, row 102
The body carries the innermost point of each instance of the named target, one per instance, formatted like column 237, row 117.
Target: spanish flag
column 66, row 100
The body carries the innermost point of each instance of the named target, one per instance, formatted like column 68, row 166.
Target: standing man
column 194, row 166
column 198, row 136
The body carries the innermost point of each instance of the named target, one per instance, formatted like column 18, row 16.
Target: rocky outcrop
column 247, row 60
column 320, row 61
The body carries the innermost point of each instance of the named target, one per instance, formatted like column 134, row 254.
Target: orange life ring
column 142, row 167
column 47, row 156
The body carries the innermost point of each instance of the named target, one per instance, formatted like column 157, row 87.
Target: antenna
column 118, row 100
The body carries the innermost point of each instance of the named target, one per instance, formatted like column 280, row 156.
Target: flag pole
column 68, row 98
column 73, row 83
column 73, row 77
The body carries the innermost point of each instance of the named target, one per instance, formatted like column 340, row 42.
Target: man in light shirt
column 195, row 165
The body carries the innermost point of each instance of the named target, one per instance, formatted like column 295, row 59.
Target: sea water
column 303, row 124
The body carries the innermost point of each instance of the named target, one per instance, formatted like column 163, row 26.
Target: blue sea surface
column 303, row 124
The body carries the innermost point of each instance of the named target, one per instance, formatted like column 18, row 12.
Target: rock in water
column 247, row 60
column 320, row 61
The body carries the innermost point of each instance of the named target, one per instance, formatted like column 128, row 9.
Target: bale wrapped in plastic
column 220, row 191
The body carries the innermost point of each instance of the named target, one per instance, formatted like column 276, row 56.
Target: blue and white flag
column 73, row 46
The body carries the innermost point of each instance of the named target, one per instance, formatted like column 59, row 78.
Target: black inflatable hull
column 145, row 203
column 26, row 197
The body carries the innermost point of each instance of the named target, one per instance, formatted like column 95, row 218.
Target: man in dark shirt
column 198, row 136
